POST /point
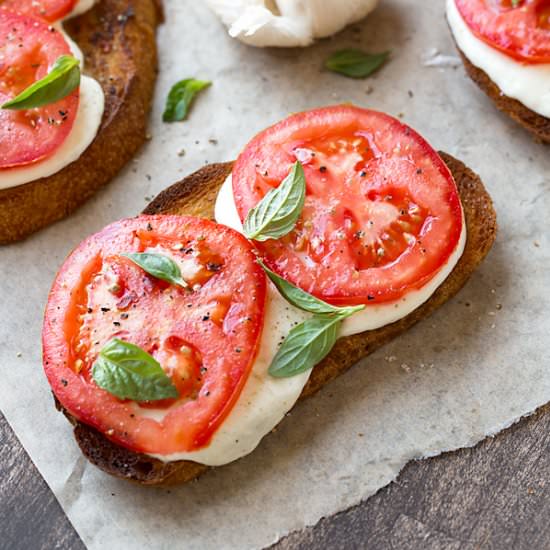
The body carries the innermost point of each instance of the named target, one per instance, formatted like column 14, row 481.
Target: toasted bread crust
column 117, row 38
column 537, row 124
column 195, row 195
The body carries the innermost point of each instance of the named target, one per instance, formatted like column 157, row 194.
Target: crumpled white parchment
column 476, row 366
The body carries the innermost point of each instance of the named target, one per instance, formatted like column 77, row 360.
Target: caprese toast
column 76, row 83
column 505, row 48
column 174, row 343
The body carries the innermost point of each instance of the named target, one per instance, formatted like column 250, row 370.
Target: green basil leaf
column 128, row 372
column 355, row 63
column 277, row 213
column 306, row 345
column 159, row 266
column 62, row 79
column 180, row 98
column 302, row 299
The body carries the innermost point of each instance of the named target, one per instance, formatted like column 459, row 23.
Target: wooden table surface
column 494, row 496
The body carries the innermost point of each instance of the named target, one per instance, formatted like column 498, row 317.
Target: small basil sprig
column 159, row 266
column 277, row 213
column 128, row 372
column 310, row 341
column 301, row 299
column 307, row 344
column 355, row 63
column 62, row 79
column 180, row 98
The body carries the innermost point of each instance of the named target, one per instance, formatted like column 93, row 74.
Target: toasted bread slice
column 537, row 124
column 195, row 195
column 117, row 38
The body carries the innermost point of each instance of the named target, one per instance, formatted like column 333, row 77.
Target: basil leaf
column 302, row 299
column 62, row 79
column 180, row 98
column 128, row 372
column 277, row 213
column 159, row 266
column 355, row 63
column 306, row 345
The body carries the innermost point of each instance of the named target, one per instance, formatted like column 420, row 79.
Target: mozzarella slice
column 264, row 400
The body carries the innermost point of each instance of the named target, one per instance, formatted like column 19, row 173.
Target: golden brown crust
column 195, row 195
column 537, row 124
column 117, row 38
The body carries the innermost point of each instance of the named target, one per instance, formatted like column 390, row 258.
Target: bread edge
column 27, row 208
column 200, row 188
column 536, row 124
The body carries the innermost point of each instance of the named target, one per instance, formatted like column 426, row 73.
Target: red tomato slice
column 49, row 10
column 205, row 339
column 382, row 212
column 28, row 49
column 522, row 32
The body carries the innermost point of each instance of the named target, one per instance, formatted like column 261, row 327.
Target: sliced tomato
column 28, row 49
column 49, row 10
column 520, row 30
column 205, row 338
column 382, row 213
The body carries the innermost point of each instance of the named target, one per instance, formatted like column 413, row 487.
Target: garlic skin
column 288, row 23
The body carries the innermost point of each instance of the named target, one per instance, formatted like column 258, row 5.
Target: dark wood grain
column 493, row 496
column 30, row 516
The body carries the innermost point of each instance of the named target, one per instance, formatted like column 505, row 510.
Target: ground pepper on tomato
column 29, row 48
column 382, row 213
column 520, row 29
column 204, row 337
column 48, row 10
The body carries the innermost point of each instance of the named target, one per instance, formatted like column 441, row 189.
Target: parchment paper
column 475, row 367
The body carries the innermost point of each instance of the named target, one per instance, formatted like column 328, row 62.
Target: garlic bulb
column 288, row 23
